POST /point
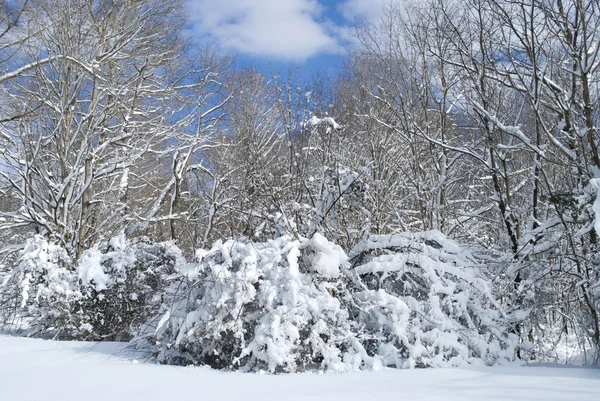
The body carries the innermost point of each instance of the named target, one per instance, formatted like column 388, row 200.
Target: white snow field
column 38, row 370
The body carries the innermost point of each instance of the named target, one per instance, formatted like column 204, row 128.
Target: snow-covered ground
column 38, row 370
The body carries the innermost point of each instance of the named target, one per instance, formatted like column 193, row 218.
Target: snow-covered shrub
column 106, row 295
column 407, row 300
column 122, row 285
column 276, row 306
column 40, row 295
column 285, row 305
column 421, row 300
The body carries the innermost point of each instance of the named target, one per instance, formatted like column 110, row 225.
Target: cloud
column 290, row 30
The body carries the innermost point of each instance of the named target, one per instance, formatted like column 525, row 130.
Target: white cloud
column 281, row 29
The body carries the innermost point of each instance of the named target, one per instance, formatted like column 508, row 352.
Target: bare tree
column 98, row 93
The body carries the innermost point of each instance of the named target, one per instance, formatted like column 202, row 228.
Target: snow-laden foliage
column 593, row 279
column 421, row 300
column 410, row 300
column 103, row 296
column 122, row 285
column 286, row 305
column 274, row 306
column 39, row 295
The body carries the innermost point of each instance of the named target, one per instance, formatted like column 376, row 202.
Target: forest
column 433, row 202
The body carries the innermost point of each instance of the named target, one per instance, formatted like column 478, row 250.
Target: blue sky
column 277, row 34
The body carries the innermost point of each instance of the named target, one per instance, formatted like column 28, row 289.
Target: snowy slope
column 38, row 370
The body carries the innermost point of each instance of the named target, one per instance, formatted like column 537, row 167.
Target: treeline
column 478, row 119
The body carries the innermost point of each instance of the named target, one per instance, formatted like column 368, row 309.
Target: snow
column 329, row 258
column 595, row 184
column 33, row 369
column 314, row 121
column 285, row 319
column 91, row 272
column 92, row 265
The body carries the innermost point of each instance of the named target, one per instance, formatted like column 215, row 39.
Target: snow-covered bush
column 276, row 306
column 40, row 295
column 122, row 285
column 422, row 301
column 409, row 300
column 104, row 296
column 285, row 305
